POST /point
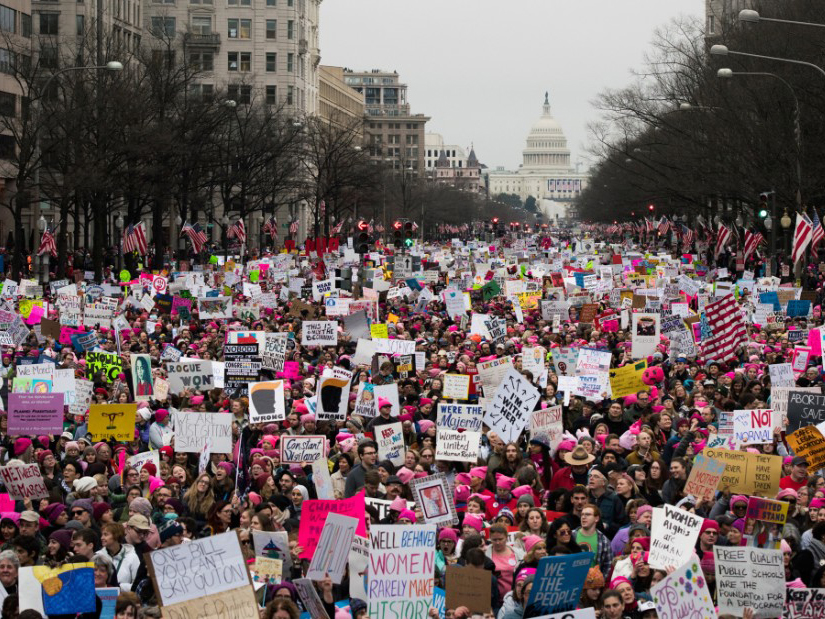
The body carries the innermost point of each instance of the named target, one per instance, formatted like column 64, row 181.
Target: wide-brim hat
column 578, row 457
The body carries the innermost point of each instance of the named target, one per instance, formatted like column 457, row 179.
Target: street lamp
column 753, row 17
column 722, row 50
column 726, row 73
column 118, row 232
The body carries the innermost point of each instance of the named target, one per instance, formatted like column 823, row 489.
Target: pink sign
column 35, row 315
column 291, row 370
column 35, row 413
column 611, row 326
column 314, row 515
column 66, row 334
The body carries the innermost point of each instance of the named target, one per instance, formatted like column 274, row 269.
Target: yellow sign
column 747, row 473
column 627, row 380
column 809, row 443
column 116, row 421
column 26, row 306
column 379, row 331
column 529, row 300
column 392, row 318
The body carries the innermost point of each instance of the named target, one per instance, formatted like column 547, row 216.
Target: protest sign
column 310, row 599
column 170, row 353
column 627, row 380
column 468, row 587
column 112, row 421
column 564, row 360
column 747, row 473
column 273, row 353
column 804, row 409
column 206, row 566
column 319, row 333
column 241, row 367
column 379, row 331
column 189, row 374
column 322, row 480
column 23, row 481
column 781, row 375
column 389, row 392
column 109, row 363
column 456, row 386
column 333, row 395
column 302, row 449
column 390, row 439
column 401, row 565
column 142, row 376
column 457, row 446
column 35, row 413
column 266, row 402
column 752, row 577
column 492, row 372
column 511, row 406
column 459, row 416
column 809, row 443
column 193, row 429
column 239, row 601
column 673, row 536
column 366, row 404
column 394, row 347
column 645, row 334
column 212, row 308
column 314, row 514
column 433, row 495
column 592, row 361
column 138, row 460
column 331, row 554
column 804, row 604
column 76, row 593
column 83, row 390
column 754, row 426
column 582, row 613
column 683, row 593
column 704, row 477
column 532, row 359
column 546, row 426
column 558, row 583
column 764, row 521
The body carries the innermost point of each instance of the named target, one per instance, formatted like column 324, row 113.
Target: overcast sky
column 480, row 68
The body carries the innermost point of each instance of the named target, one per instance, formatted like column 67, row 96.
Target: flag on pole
column 293, row 227
column 195, row 234
column 237, row 230
column 47, row 244
column 664, row 224
column 134, row 239
column 271, row 227
column 722, row 238
column 728, row 329
column 802, row 236
column 818, row 234
column 752, row 241
column 687, row 236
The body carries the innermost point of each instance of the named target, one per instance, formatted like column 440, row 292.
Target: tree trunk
column 21, row 201
column 158, row 239
column 99, row 245
column 63, row 238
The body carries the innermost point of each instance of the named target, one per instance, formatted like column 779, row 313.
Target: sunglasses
column 78, row 512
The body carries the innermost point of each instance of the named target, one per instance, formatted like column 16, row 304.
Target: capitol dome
column 546, row 145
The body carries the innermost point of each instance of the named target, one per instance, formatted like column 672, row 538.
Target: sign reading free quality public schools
column 805, row 409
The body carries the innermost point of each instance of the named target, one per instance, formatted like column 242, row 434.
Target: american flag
column 195, row 234
column 817, row 235
column 687, row 236
column 752, row 241
column 237, row 230
column 336, row 229
column 722, row 238
column 293, row 227
column 134, row 239
column 802, row 236
column 415, row 226
column 728, row 329
column 47, row 244
column 664, row 224
column 271, row 227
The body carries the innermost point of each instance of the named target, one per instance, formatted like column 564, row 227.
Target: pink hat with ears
column 529, row 541
column 521, row 490
column 425, row 424
column 461, row 493
column 502, row 481
column 408, row 514
column 404, row 474
column 474, row 521
column 478, row 471
column 398, row 504
column 463, row 479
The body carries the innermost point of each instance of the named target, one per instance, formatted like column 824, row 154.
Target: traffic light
column 763, row 205
column 362, row 238
column 397, row 234
column 651, row 207
column 409, row 234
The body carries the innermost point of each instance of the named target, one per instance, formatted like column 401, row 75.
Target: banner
column 302, row 449
column 266, row 402
column 511, row 406
column 673, row 536
column 558, row 583
column 401, row 567
column 23, row 481
column 193, row 429
column 752, row 577
column 314, row 514
column 112, row 421
column 35, row 413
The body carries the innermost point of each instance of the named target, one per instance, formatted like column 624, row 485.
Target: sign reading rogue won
column 805, row 409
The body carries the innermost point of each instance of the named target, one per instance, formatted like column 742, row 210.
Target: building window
column 163, row 26
column 711, row 24
column 271, row 95
column 232, row 64
column 8, row 19
column 271, row 29
column 290, row 95
column 246, row 28
column 206, row 92
column 241, row 2
column 48, row 23
column 201, row 24
column 290, row 2
column 271, row 62
column 7, row 147
column 290, row 62
column 240, row 93
column 81, row 24
column 8, row 104
column 246, row 61
column 202, row 61
column 164, row 56
column 290, row 29
column 271, row 2
column 48, row 57
column 232, row 28
column 25, row 25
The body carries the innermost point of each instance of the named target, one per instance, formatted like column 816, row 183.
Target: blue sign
column 440, row 601
column 770, row 297
column 558, row 583
column 798, row 308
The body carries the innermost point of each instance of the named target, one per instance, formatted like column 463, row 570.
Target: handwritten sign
column 302, row 449
column 319, row 333
column 627, row 380
column 704, row 477
column 511, row 406
column 333, row 548
column 460, row 417
column 748, row 473
column 809, row 443
column 752, row 577
column 390, row 439
column 401, row 565
column 193, row 429
column 456, row 386
column 805, row 409
column 546, row 426
column 673, row 535
column 804, row 604
column 457, row 446
column 240, row 600
column 754, row 426
column 23, row 481
column 273, row 353
column 669, row 593
column 470, row 588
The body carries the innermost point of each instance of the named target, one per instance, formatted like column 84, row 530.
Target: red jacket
column 563, row 478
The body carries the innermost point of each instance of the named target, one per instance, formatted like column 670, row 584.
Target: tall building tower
column 247, row 48
column 394, row 134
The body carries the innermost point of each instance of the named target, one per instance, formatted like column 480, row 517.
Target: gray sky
column 480, row 68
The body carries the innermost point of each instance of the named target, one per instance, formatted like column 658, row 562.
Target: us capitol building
column 546, row 173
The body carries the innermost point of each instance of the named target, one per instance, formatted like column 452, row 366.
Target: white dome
column 546, row 145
